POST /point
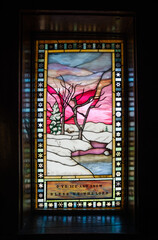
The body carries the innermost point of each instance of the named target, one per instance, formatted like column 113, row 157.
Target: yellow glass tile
column 102, row 176
column 55, row 51
column 68, row 177
column 106, row 50
column 51, row 177
column 89, row 50
column 74, row 50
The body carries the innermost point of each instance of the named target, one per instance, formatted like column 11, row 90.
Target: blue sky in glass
column 91, row 61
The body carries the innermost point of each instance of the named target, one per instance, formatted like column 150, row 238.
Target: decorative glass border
column 43, row 47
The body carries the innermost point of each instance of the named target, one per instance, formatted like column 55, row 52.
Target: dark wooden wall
column 147, row 107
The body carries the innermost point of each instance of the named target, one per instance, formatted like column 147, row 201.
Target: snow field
column 60, row 148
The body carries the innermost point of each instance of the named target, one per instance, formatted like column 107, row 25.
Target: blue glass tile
column 118, row 119
column 55, row 205
column 40, row 190
column 39, row 140
column 26, row 80
column 40, row 70
column 40, row 89
column 39, row 119
column 26, row 110
column 39, row 109
column 130, row 79
column 26, row 90
column 39, row 99
column 118, row 79
column 131, row 108
column 131, row 128
column 94, row 204
column 118, row 69
column 41, row 51
column 40, row 79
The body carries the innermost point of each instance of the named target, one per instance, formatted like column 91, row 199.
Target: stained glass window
column 79, row 124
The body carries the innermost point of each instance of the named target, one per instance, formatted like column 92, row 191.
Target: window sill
column 78, row 224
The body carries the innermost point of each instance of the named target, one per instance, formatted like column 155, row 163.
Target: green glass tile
column 131, row 178
column 39, row 130
column 40, row 60
column 94, row 45
column 131, row 168
column 84, row 204
column 103, row 45
column 113, row 203
column 118, row 60
column 118, row 149
column 113, row 45
column 131, row 148
column 74, row 45
column 84, row 45
column 118, row 198
column 118, row 168
column 131, row 198
column 39, row 150
column 40, row 180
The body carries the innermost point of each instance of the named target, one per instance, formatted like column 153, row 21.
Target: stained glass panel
column 79, row 124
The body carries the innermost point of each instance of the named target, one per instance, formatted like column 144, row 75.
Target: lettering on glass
column 79, row 189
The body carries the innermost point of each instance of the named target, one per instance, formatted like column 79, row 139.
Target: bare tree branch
column 100, row 100
column 81, row 95
column 68, row 98
column 82, row 104
column 81, row 113
column 66, row 120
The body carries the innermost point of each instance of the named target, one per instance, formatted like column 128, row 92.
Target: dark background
column 146, row 36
